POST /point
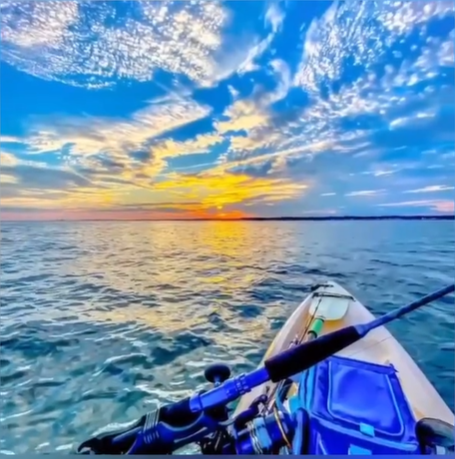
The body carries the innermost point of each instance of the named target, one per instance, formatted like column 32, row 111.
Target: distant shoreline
column 323, row 218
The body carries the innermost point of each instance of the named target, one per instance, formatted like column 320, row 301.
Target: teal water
column 101, row 322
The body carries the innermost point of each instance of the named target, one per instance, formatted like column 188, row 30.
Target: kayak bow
column 352, row 390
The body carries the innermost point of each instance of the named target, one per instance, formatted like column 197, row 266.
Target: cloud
column 243, row 115
column 47, row 178
column 350, row 116
column 365, row 193
column 360, row 109
column 89, row 135
column 432, row 189
column 7, row 159
column 92, row 45
column 213, row 189
column 445, row 206
column 43, row 24
column 53, row 189
column 382, row 172
column 365, row 31
column 134, row 149
column 9, row 139
column 33, row 184
column 274, row 18
column 169, row 148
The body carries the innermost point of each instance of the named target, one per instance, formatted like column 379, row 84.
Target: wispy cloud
column 274, row 17
column 431, row 189
column 129, row 148
column 187, row 107
column 365, row 193
column 431, row 204
column 348, row 118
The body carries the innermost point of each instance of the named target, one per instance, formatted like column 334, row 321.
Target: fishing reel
column 250, row 432
column 203, row 418
column 171, row 427
column 265, row 434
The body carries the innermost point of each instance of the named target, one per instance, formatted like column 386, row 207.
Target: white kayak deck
column 379, row 346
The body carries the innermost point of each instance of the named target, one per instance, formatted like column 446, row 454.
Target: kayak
column 356, row 391
column 333, row 381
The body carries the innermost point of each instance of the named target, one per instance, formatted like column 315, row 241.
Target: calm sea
column 101, row 322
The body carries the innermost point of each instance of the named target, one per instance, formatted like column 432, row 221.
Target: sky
column 187, row 109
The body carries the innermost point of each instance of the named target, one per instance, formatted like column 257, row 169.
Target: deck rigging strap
column 299, row 339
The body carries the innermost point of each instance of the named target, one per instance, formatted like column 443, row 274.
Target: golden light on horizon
column 210, row 195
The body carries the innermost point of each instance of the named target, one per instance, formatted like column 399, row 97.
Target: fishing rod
column 200, row 415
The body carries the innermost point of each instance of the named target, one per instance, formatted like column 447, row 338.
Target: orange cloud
column 213, row 194
column 213, row 189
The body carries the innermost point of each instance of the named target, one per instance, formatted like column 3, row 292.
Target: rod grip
column 304, row 356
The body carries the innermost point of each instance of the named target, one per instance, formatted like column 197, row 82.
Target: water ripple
column 103, row 321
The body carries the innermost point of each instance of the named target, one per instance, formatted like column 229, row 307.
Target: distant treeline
column 326, row 218
column 352, row 217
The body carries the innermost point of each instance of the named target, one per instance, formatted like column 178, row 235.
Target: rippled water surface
column 100, row 322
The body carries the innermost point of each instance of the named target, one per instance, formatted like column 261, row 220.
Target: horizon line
column 283, row 218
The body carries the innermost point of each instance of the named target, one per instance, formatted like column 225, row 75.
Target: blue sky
column 197, row 109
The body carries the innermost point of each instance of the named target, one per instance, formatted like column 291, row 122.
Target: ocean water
column 102, row 321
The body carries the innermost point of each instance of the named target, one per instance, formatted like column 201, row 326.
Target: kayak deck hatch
column 356, row 407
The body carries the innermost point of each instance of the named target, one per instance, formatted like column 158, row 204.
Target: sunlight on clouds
column 87, row 136
column 214, row 189
column 169, row 148
column 365, row 32
column 107, row 146
column 253, row 113
column 212, row 193
column 254, row 120
column 200, row 144
column 7, row 159
column 6, row 178
column 278, row 159
column 407, row 14
column 177, row 37
column 72, row 198
column 115, row 164
column 243, row 115
column 43, row 24
column 34, row 184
